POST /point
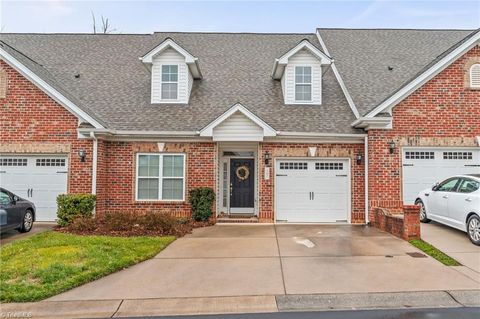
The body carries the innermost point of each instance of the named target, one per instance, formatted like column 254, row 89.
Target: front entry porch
column 237, row 199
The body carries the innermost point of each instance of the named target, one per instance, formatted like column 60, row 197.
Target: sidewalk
column 243, row 304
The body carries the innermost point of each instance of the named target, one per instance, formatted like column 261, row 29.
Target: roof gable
column 168, row 43
column 238, row 124
column 281, row 62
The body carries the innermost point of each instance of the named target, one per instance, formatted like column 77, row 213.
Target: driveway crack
column 118, row 308
column 280, row 259
column 454, row 299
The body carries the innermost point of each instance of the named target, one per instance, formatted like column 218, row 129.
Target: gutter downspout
column 94, row 167
column 366, row 181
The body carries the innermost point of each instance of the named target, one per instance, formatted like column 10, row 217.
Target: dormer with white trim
column 173, row 71
column 300, row 72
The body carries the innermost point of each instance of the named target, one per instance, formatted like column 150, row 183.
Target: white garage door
column 422, row 168
column 312, row 190
column 38, row 179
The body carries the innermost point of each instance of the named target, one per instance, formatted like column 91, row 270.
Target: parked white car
column 454, row 202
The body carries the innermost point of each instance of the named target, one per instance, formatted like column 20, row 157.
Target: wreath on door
column 242, row 172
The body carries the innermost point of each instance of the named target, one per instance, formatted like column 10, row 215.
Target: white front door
column 423, row 167
column 39, row 179
column 312, row 190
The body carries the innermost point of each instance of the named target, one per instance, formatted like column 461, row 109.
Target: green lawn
column 50, row 263
column 434, row 252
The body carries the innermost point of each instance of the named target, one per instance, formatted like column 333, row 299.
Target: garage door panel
column 313, row 190
column 45, row 177
column 422, row 168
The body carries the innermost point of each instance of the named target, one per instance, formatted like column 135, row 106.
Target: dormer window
column 303, row 83
column 169, row 82
column 173, row 70
column 300, row 73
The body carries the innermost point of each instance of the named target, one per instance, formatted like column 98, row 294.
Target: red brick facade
column 32, row 122
column 443, row 112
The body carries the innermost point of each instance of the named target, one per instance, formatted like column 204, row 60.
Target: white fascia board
column 368, row 123
column 190, row 60
column 267, row 129
column 426, row 76
column 352, row 105
column 48, row 89
column 280, row 63
column 313, row 134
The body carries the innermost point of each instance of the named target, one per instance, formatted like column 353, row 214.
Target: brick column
column 411, row 222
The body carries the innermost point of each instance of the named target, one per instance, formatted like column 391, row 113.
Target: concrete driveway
column 12, row 235
column 253, row 260
column 456, row 244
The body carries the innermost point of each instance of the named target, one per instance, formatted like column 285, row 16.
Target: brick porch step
column 237, row 219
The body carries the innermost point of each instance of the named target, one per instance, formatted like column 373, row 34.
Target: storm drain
column 417, row 255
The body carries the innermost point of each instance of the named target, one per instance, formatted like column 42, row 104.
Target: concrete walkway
column 267, row 260
column 243, row 304
column 456, row 244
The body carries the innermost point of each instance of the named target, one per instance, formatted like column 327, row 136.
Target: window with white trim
column 160, row 176
column 169, row 82
column 303, row 83
column 475, row 76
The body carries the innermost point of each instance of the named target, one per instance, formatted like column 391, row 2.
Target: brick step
column 237, row 219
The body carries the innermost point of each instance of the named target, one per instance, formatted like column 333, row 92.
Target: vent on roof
column 475, row 76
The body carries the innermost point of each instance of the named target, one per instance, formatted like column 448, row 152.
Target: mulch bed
column 98, row 226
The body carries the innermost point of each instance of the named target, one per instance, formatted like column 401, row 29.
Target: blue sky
column 235, row 16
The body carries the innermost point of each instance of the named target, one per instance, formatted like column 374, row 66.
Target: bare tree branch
column 94, row 23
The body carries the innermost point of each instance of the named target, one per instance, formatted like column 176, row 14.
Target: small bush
column 83, row 224
column 71, row 206
column 120, row 221
column 202, row 199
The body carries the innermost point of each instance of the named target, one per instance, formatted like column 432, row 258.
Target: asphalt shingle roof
column 114, row 85
column 363, row 56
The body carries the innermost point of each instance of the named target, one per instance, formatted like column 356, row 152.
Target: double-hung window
column 169, row 82
column 160, row 177
column 303, row 83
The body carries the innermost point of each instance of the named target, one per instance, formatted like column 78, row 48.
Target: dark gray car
column 15, row 212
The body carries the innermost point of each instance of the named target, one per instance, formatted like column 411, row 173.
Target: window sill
column 160, row 201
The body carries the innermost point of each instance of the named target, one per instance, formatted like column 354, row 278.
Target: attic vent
column 475, row 76
column 3, row 84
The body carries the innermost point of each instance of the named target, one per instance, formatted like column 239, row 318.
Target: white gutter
column 307, row 134
column 366, row 181
column 94, row 163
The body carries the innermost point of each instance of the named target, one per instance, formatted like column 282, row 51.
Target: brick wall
column 323, row 150
column 117, row 175
column 443, row 112
column 404, row 224
column 32, row 122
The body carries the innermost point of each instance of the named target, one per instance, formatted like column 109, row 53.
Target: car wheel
column 423, row 211
column 27, row 222
column 473, row 229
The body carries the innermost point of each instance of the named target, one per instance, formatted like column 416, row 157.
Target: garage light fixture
column 82, row 154
column 391, row 146
column 267, row 158
column 359, row 159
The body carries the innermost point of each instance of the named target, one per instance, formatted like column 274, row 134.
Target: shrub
column 201, row 200
column 159, row 222
column 71, row 206
column 120, row 221
column 83, row 224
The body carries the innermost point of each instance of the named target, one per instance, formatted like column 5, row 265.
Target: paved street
column 449, row 313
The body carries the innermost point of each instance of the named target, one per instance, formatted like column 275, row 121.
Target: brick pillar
column 411, row 222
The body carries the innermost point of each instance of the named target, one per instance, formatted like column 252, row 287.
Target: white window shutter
column 475, row 76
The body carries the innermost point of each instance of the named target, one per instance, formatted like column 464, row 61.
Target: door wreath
column 242, row 172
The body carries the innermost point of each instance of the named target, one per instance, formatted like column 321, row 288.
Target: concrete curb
column 240, row 304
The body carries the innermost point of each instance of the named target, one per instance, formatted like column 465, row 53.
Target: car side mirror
column 15, row 199
column 435, row 187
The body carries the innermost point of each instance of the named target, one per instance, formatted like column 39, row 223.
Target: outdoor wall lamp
column 391, row 146
column 82, row 154
column 267, row 158
column 359, row 157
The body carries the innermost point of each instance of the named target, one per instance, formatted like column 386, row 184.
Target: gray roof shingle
column 363, row 56
column 114, row 85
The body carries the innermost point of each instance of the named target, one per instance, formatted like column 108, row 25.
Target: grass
column 434, row 252
column 49, row 263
